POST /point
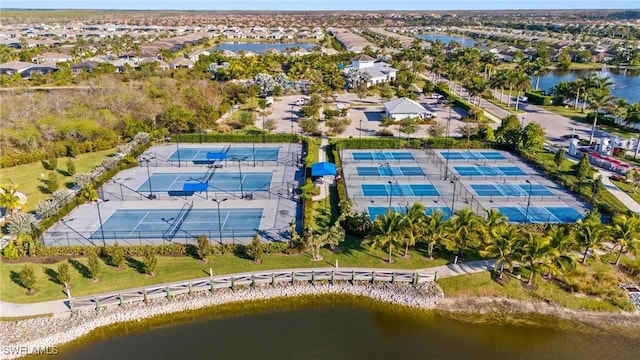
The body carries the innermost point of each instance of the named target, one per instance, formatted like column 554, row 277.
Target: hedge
column 396, row 143
column 237, row 138
column 538, row 99
column 163, row 250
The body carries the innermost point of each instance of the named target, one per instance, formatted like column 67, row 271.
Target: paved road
column 60, row 306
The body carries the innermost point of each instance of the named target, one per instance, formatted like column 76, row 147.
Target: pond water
column 345, row 327
column 262, row 48
column 627, row 82
column 445, row 39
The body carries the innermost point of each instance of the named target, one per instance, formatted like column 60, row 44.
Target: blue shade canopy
column 323, row 168
column 195, row 186
column 216, row 155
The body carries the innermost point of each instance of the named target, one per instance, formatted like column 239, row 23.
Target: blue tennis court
column 173, row 182
column 539, row 214
column 399, row 190
column 200, row 154
column 375, row 211
column 472, row 155
column 160, row 223
column 489, row 171
column 510, row 190
column 382, row 155
column 389, row 171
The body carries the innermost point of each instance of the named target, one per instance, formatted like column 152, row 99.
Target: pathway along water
column 347, row 327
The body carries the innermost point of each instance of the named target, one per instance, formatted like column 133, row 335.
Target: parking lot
column 365, row 115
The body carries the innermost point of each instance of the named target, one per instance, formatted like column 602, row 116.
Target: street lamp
column 219, row 221
column 148, row 160
column 522, row 122
column 360, row 139
column 390, row 193
column 446, row 168
column 100, row 221
column 239, row 160
column 526, row 215
column 453, row 200
column 292, row 118
column 178, row 147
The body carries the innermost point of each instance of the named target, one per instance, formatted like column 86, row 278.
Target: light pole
column 526, row 215
column 360, row 135
column 254, row 149
column 446, row 167
column 453, row 199
column 219, row 221
column 148, row 160
column 292, row 120
column 240, row 171
column 522, row 122
column 390, row 193
column 100, row 221
column 178, row 147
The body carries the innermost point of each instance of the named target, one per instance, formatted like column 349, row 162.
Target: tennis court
column 539, row 214
column 489, row 171
column 390, row 171
column 472, row 155
column 200, row 154
column 165, row 223
column 173, row 182
column 375, row 211
column 510, row 190
column 382, row 155
column 399, row 190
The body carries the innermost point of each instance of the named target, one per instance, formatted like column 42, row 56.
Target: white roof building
column 380, row 72
column 403, row 108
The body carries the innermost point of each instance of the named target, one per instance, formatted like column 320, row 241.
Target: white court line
column 170, row 185
column 139, row 222
column 225, row 220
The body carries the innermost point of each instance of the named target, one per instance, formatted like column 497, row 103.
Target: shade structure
column 194, row 186
column 216, row 155
column 323, row 168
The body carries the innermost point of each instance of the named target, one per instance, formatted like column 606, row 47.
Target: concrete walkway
column 326, row 182
column 60, row 306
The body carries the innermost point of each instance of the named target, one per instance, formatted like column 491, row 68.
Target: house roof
column 88, row 64
column 19, row 66
column 363, row 57
column 181, row 61
column 404, row 106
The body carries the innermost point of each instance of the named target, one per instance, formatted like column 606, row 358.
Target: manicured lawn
column 628, row 188
column 351, row 254
column 29, row 177
column 326, row 210
column 482, row 284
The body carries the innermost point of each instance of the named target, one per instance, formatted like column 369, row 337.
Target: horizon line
column 312, row 10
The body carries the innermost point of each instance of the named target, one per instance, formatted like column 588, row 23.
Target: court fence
column 233, row 281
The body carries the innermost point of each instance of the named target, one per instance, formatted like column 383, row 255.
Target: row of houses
column 351, row 41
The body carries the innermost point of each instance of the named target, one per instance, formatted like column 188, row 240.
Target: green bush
column 255, row 249
column 538, row 99
column 27, row 277
column 149, row 260
column 237, row 138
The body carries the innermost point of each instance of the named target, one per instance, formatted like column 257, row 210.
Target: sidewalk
column 322, row 157
column 60, row 306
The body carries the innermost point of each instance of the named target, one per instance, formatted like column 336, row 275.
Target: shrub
column 538, row 99
column 149, row 260
column 116, row 256
column 93, row 264
column 204, row 247
column 71, row 167
column 52, row 162
column 27, row 278
column 63, row 276
column 255, row 249
column 52, row 182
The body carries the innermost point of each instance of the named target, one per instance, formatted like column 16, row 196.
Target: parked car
column 437, row 96
column 523, row 99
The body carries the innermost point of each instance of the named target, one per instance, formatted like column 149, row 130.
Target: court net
column 170, row 233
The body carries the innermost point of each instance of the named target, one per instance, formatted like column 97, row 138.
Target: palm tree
column 414, row 220
column 520, row 82
column 590, row 234
column 465, row 226
column 598, row 100
column 502, row 246
column 577, row 86
column 620, row 111
column 387, row 230
column 589, row 82
column 495, row 219
column 499, row 80
column 9, row 199
column 436, row 230
column 537, row 253
column 626, row 233
column 562, row 240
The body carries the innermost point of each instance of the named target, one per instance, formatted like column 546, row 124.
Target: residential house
column 87, row 65
column 181, row 63
column 55, row 57
column 16, row 67
column 195, row 54
column 379, row 72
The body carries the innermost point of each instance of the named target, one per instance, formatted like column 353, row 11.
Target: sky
column 321, row 4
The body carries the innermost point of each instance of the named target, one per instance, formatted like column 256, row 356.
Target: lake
column 445, row 39
column 347, row 327
column 262, row 48
column 627, row 82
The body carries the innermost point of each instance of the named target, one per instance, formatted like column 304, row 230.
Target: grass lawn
column 28, row 177
column 482, row 284
column 326, row 210
column 627, row 188
column 350, row 254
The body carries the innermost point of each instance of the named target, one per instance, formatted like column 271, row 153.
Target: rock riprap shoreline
column 38, row 333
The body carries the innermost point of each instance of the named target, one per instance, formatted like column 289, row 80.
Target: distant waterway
column 627, row 81
column 262, row 48
column 445, row 39
column 348, row 327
